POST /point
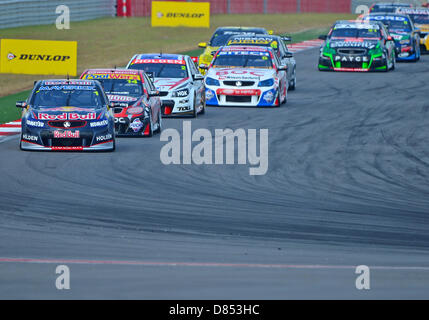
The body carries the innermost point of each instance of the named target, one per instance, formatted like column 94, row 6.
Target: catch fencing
column 18, row 13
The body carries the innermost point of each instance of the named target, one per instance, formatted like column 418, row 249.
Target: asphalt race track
column 347, row 185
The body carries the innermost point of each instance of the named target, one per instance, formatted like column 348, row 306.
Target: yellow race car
column 420, row 17
column 220, row 38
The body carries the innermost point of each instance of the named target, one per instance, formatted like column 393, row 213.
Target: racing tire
column 194, row 112
column 203, row 110
column 159, row 121
column 151, row 125
column 292, row 85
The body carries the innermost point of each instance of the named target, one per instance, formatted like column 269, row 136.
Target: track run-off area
column 347, row 185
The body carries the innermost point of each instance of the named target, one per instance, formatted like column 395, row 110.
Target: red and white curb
column 10, row 128
column 305, row 45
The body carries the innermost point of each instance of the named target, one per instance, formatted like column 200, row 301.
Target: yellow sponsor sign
column 38, row 57
column 180, row 14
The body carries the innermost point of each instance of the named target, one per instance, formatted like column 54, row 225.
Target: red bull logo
column 67, row 116
column 67, row 134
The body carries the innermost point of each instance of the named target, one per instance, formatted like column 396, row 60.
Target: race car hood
column 353, row 43
column 242, row 74
column 122, row 98
column 66, row 113
column 166, row 84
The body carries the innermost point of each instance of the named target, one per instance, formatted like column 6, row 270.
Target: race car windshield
column 420, row 18
column 128, row 87
column 163, row 70
column 397, row 24
column 220, row 38
column 66, row 95
column 355, row 33
column 257, row 43
column 243, row 61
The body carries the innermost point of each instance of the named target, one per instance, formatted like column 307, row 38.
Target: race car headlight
column 212, row 82
column 266, row 83
column 180, row 93
column 135, row 110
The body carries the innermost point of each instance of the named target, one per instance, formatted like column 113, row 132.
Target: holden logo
column 67, row 124
column 238, row 83
column 159, row 15
column 11, row 56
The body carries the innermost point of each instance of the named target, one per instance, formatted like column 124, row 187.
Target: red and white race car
column 246, row 76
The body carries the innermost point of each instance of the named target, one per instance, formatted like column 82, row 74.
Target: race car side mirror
column 323, row 37
column 287, row 38
column 153, row 93
column 288, row 55
column 202, row 45
column 198, row 76
column 389, row 38
column 21, row 104
column 283, row 67
column 203, row 66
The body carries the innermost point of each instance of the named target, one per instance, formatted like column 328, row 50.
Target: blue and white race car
column 403, row 32
column 246, row 76
column 175, row 76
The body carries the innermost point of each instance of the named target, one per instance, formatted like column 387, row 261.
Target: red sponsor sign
column 67, row 148
column 239, row 92
column 168, row 61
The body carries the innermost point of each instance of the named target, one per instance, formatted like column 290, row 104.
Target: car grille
column 242, row 99
column 49, row 140
column 66, row 142
column 351, row 64
column 163, row 93
column 69, row 124
column 117, row 110
column 243, row 83
column 352, row 51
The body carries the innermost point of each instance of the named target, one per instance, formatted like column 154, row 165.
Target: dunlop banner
column 180, row 14
column 38, row 57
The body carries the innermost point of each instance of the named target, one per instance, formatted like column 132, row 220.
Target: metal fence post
column 298, row 6
column 265, row 6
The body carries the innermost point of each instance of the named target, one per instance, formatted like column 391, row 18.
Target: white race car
column 246, row 76
column 175, row 76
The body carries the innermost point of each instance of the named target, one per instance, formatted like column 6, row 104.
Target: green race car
column 357, row 46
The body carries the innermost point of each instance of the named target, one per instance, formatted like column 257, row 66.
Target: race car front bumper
column 354, row 63
column 69, row 140
column 132, row 127
column 177, row 106
column 260, row 97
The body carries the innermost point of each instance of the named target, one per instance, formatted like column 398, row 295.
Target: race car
column 246, row 76
column 420, row 17
column 178, row 80
column 279, row 47
column 219, row 38
column 69, row 115
column 357, row 46
column 388, row 7
column 405, row 35
column 137, row 107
